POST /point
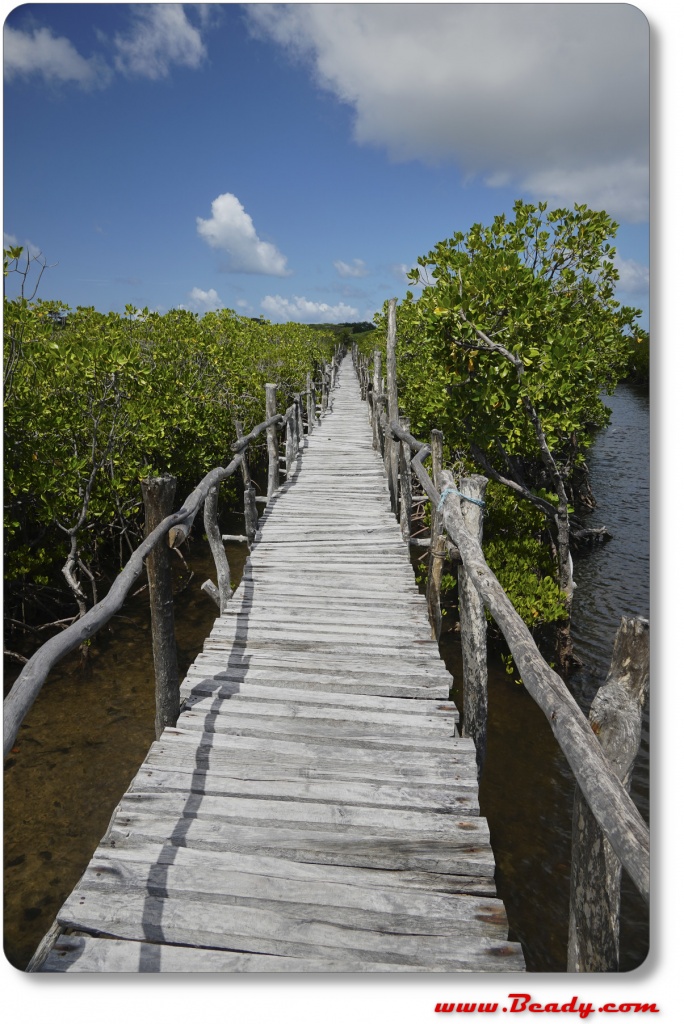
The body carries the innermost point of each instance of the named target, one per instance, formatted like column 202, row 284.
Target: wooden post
column 299, row 422
column 289, row 443
column 324, row 393
column 272, row 442
column 437, row 544
column 158, row 494
column 473, row 627
column 375, row 404
column 392, row 402
column 310, row 406
column 213, row 533
column 377, row 371
column 405, row 483
column 595, row 874
column 251, row 513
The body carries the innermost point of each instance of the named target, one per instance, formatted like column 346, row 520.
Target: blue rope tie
column 452, row 490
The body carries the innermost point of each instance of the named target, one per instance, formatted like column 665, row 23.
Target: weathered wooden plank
column 299, row 728
column 83, row 953
column 233, row 879
column 469, row 858
column 458, row 796
column 438, row 724
column 395, row 705
column 285, row 932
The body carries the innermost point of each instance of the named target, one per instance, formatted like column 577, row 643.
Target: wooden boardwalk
column 315, row 808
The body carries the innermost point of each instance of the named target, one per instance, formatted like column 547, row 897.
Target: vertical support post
column 310, row 405
column 437, row 543
column 158, row 494
column 473, row 628
column 405, row 483
column 289, row 442
column 324, row 393
column 272, row 442
column 213, row 533
column 377, row 370
column 299, row 422
column 393, row 402
column 251, row 513
column 595, row 874
column 377, row 391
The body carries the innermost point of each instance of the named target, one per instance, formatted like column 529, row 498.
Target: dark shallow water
column 88, row 732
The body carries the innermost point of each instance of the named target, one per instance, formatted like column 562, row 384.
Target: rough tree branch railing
column 177, row 527
column 606, row 796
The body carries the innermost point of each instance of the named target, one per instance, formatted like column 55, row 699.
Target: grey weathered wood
column 405, row 484
column 249, row 497
column 605, row 794
column 212, row 591
column 218, row 551
column 473, row 627
column 313, row 801
column 392, row 403
column 272, row 442
column 615, row 717
column 158, row 494
column 437, row 545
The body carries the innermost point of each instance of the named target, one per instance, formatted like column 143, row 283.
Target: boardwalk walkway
column 314, row 809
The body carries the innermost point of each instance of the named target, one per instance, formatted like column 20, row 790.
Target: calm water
column 88, row 732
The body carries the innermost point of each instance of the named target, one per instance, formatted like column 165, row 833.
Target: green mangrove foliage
column 508, row 348
column 94, row 402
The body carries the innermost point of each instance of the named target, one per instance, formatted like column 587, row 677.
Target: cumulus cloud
column 203, row 302
column 357, row 268
column 300, row 309
column 532, row 95
column 159, row 37
column 230, row 228
column 53, row 57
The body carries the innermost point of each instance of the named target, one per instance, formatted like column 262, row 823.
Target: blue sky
column 294, row 160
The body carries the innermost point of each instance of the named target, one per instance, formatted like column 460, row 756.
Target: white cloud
column 620, row 187
column 231, row 229
column 511, row 92
column 54, row 57
column 160, row 37
column 634, row 276
column 300, row 309
column 203, row 302
column 357, row 268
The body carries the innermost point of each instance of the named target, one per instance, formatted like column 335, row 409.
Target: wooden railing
column 161, row 523
column 601, row 750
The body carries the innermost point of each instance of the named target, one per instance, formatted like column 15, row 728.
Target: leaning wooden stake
column 158, row 494
column 473, row 627
column 211, row 528
column 437, row 544
column 615, row 717
column 272, row 442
